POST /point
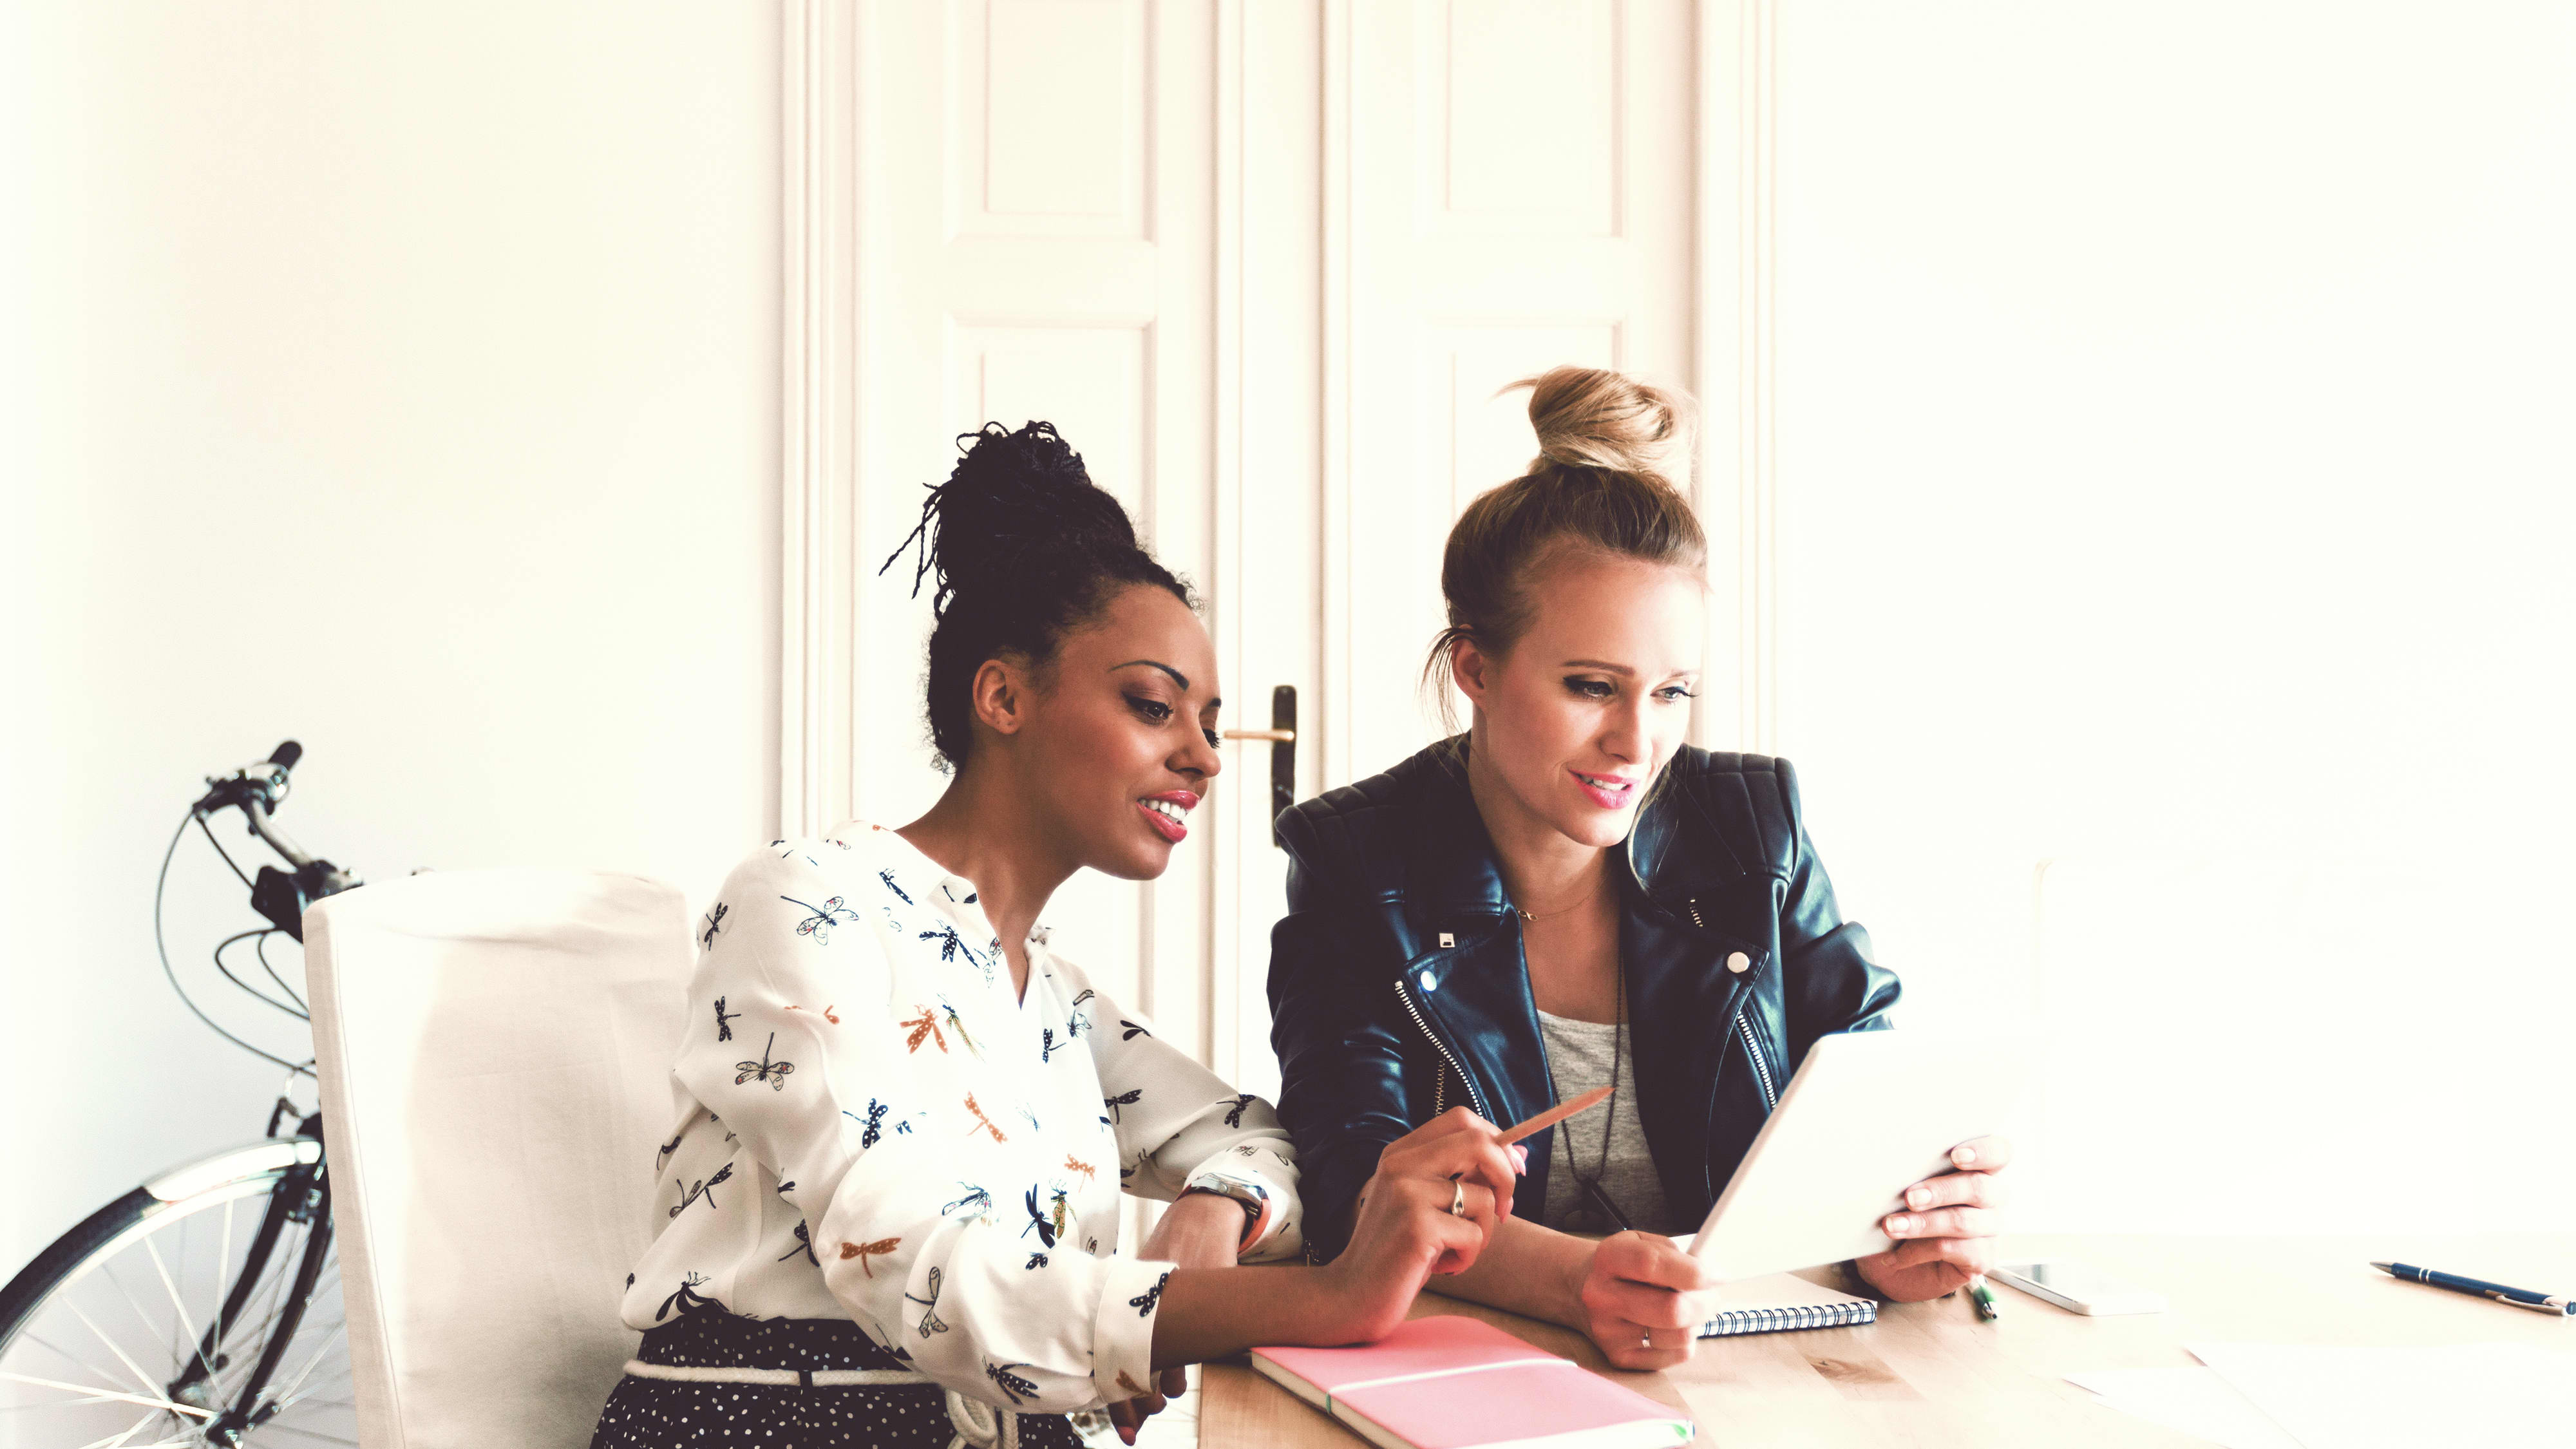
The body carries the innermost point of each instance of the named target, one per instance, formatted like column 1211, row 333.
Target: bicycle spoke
column 106, row 1395
column 31, row 1336
column 330, row 1340
column 246, row 1363
column 142, row 1380
column 187, row 1326
column 125, row 1438
column 107, row 1270
column 269, row 1300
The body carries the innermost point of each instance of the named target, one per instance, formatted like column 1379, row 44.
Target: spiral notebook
column 1448, row 1382
column 1780, row 1301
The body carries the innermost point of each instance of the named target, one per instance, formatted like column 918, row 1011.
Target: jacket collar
column 1450, row 863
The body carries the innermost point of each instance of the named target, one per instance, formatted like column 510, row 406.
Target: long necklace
column 1609, row 1118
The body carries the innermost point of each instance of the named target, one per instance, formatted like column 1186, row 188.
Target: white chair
column 494, row 1049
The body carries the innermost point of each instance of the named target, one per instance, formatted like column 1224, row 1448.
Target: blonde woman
column 1567, row 896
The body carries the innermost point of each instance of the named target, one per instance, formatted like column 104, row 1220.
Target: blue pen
column 2518, row 1297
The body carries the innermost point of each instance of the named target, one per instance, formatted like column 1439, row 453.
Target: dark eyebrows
column 1178, row 677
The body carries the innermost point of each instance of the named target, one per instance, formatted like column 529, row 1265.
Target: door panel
column 1266, row 265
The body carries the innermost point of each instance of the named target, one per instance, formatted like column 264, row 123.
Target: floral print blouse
column 869, row 1127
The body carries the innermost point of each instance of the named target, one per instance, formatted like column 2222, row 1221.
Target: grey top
column 1578, row 1058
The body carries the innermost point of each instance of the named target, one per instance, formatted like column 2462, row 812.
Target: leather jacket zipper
column 1761, row 1069
column 1744, row 1029
column 1440, row 1088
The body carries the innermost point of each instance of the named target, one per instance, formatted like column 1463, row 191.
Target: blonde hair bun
column 1592, row 417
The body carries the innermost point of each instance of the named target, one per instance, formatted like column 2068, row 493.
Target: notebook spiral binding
column 1775, row 1320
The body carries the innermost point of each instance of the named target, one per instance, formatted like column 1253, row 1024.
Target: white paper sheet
column 2405, row 1398
column 2196, row 1401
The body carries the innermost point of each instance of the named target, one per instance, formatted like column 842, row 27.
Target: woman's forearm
column 1530, row 1270
column 1213, row 1312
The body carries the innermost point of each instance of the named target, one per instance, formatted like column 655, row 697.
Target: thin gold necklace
column 1569, row 910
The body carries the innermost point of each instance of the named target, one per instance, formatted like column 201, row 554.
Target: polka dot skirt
column 657, row 1413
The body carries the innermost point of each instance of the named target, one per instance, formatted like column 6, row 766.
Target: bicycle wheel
column 201, row 1309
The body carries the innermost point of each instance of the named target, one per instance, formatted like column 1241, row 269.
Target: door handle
column 1282, row 739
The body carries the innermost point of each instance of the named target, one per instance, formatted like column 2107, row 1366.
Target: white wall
column 2175, row 486
column 403, row 379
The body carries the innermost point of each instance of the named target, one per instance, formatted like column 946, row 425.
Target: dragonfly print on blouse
column 805, row 1245
column 948, row 1013
column 765, row 1070
column 725, row 1020
column 1144, row 1302
column 982, row 1122
column 1009, row 1382
column 931, row 1322
column 704, row 1189
column 865, row 1251
column 1132, row 1032
column 976, row 1203
column 888, row 877
column 872, row 1126
column 925, row 1027
column 687, row 1299
column 819, row 920
column 1039, row 1221
column 1123, row 1100
column 1080, row 1021
column 951, row 944
column 667, row 1149
column 1234, row 1115
column 715, row 918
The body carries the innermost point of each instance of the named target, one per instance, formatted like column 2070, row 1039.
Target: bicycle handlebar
column 257, row 791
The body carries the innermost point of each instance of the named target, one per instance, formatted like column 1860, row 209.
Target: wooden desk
column 1931, row 1374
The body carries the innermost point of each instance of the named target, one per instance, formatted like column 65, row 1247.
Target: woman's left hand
column 1946, row 1235
column 1199, row 1230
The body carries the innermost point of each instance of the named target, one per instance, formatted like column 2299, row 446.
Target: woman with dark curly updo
column 891, row 1197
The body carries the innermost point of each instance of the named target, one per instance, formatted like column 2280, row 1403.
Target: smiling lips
column 1169, row 813
column 1610, row 792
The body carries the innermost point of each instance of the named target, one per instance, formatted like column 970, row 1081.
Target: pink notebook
column 1456, row 1383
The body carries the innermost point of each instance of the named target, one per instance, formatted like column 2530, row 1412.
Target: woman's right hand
column 1403, row 1231
column 1643, row 1300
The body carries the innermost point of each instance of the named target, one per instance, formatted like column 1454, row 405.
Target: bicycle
column 247, row 1344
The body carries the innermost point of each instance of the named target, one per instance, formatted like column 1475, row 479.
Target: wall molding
column 1738, row 278
column 818, row 375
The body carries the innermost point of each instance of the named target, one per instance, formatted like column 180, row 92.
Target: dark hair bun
column 1021, row 547
column 1012, row 492
column 1015, row 490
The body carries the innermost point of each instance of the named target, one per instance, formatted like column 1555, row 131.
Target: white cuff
column 1122, row 1332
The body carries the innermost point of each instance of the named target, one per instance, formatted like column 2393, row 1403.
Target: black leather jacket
column 1398, row 988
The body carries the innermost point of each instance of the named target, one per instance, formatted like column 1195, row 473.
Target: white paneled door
column 1266, row 265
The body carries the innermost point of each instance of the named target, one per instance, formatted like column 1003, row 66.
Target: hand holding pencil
column 1477, row 1158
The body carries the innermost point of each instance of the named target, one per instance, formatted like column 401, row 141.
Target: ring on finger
column 1457, row 1198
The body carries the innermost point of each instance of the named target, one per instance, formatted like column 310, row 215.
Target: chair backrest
column 495, row 1050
